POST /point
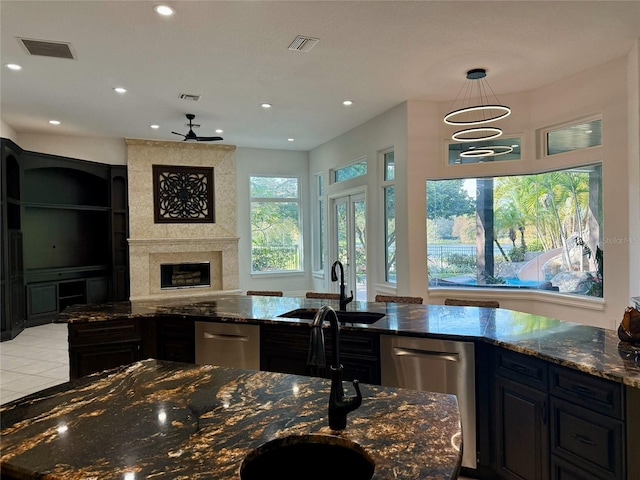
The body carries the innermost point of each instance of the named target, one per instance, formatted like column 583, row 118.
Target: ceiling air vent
column 303, row 44
column 189, row 96
column 46, row 48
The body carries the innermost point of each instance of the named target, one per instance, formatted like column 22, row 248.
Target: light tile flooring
column 36, row 359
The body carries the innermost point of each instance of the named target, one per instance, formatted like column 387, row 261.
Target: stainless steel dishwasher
column 434, row 365
column 228, row 344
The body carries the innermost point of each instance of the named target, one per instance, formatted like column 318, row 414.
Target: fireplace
column 176, row 245
column 185, row 275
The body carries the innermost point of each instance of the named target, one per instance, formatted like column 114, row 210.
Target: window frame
column 300, row 206
column 543, row 137
column 360, row 161
column 319, row 226
column 386, row 185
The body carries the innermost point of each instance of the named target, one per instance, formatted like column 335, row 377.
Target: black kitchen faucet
column 339, row 405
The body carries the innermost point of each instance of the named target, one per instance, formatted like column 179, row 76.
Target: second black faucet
column 344, row 300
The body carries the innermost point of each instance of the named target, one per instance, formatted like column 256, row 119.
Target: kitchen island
column 554, row 399
column 167, row 420
column 592, row 350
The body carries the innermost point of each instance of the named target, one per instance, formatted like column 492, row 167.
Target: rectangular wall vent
column 46, row 48
column 190, row 96
column 303, row 44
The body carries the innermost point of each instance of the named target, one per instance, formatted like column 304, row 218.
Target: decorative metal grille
column 183, row 194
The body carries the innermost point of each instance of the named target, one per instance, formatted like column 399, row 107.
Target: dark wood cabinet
column 12, row 294
column 521, row 441
column 284, row 349
column 521, row 431
column 64, row 225
column 119, row 233
column 550, row 421
column 42, row 300
column 175, row 339
column 587, row 427
column 97, row 346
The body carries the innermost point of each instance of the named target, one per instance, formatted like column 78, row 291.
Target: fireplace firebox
column 185, row 275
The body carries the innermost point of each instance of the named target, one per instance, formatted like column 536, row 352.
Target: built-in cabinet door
column 522, row 445
column 16, row 284
column 42, row 300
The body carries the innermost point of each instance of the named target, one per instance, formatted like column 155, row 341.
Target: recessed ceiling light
column 13, row 66
column 120, row 90
column 54, row 122
column 347, row 103
column 290, row 139
column 219, row 130
column 164, row 10
column 155, row 127
column 266, row 105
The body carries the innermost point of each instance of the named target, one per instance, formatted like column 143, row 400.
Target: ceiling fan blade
column 181, row 134
column 209, row 139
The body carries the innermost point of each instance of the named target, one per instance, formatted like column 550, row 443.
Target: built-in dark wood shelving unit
column 67, row 225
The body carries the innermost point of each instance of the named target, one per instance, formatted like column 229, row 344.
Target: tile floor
column 36, row 359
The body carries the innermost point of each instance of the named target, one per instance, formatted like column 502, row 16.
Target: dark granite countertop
column 164, row 420
column 593, row 350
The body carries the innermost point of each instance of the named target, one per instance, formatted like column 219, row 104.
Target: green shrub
column 517, row 254
column 535, row 246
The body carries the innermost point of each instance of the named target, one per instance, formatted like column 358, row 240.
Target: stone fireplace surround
column 152, row 244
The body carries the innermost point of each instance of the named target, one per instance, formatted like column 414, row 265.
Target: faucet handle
column 350, row 299
column 355, row 402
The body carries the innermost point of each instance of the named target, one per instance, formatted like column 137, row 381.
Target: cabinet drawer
column 563, row 470
column 595, row 393
column 96, row 333
column 591, row 440
column 529, row 370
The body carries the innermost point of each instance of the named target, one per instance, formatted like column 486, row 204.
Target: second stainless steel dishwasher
column 443, row 366
column 228, row 345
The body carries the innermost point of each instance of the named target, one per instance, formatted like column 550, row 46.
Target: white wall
column 111, row 151
column 7, row 132
column 633, row 87
column 367, row 141
column 254, row 161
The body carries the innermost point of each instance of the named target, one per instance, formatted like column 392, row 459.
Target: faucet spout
column 339, row 405
column 344, row 300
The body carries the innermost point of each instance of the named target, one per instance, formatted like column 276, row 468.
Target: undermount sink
column 312, row 457
column 343, row 316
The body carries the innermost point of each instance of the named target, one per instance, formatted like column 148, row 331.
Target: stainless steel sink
column 311, row 457
column 343, row 316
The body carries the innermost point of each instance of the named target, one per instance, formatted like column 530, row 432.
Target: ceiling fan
column 191, row 136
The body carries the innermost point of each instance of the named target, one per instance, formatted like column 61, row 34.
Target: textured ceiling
column 234, row 54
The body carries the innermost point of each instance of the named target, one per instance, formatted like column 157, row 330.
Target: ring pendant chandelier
column 476, row 116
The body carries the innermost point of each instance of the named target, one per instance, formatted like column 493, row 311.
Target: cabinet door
column 285, row 349
column 15, row 282
column 42, row 300
column 91, row 359
column 176, row 339
column 522, row 443
column 97, row 290
column 96, row 346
